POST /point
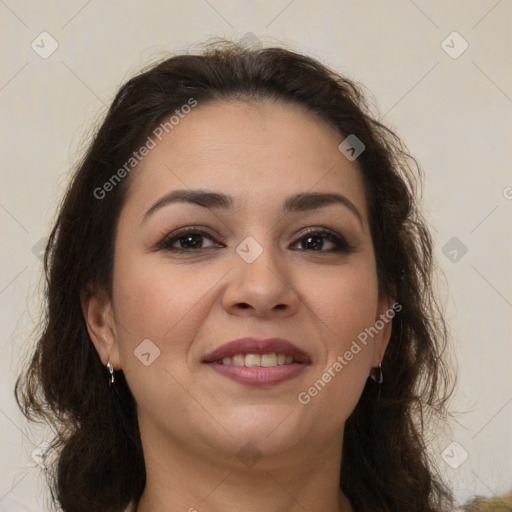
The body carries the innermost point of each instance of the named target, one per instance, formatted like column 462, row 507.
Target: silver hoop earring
column 376, row 375
column 110, row 368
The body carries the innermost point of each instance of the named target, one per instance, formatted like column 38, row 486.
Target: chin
column 272, row 430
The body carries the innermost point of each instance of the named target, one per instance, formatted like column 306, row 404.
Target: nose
column 263, row 288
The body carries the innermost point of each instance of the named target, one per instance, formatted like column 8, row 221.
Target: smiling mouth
column 258, row 370
column 258, row 362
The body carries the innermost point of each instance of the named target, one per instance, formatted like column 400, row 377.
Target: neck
column 179, row 480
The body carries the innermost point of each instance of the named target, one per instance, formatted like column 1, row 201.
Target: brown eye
column 187, row 240
column 316, row 240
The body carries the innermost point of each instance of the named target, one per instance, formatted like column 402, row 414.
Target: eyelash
column 325, row 234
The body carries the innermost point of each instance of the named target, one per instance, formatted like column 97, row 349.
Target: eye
column 192, row 239
column 187, row 240
column 316, row 239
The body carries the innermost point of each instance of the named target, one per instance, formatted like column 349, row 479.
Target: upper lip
column 257, row 346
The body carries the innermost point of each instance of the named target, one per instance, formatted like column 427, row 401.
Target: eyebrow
column 213, row 200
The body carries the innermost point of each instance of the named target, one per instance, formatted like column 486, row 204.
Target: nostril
column 277, row 307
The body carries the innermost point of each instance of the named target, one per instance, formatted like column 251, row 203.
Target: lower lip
column 258, row 375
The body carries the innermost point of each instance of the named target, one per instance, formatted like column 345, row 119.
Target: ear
column 100, row 321
column 386, row 310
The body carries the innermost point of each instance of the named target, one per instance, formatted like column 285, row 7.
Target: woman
column 239, row 304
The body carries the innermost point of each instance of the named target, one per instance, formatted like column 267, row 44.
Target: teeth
column 238, row 360
column 269, row 359
column 263, row 360
column 252, row 360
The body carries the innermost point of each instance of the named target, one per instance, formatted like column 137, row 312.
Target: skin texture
column 193, row 421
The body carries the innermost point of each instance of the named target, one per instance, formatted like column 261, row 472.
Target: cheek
column 344, row 304
column 165, row 305
column 344, row 299
column 153, row 299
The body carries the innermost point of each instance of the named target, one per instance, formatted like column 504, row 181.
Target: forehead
column 258, row 152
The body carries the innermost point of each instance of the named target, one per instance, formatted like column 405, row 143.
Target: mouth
column 258, row 362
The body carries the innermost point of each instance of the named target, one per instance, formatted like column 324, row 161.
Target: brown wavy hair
column 99, row 461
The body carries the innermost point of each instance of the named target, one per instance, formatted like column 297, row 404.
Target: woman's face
column 191, row 276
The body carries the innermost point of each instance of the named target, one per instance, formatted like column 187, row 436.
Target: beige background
column 454, row 114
